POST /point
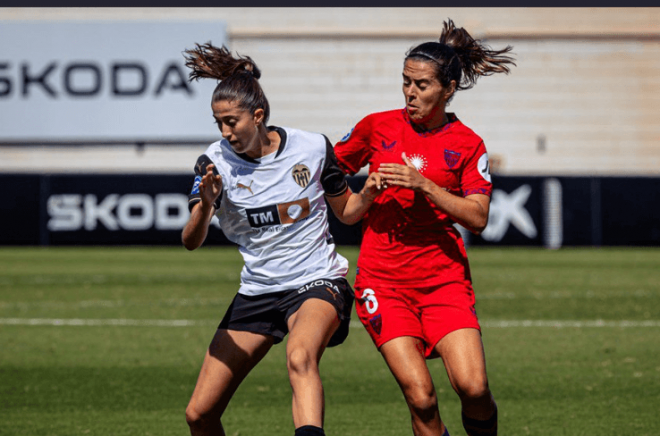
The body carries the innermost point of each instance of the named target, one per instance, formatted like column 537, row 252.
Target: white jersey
column 274, row 209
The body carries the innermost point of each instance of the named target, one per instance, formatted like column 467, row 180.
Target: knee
column 196, row 419
column 473, row 389
column 422, row 401
column 300, row 362
column 193, row 418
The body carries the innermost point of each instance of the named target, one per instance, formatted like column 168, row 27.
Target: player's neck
column 268, row 142
column 436, row 121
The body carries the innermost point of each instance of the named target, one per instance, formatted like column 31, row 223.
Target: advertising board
column 100, row 81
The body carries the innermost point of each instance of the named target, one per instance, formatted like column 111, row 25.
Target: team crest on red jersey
column 451, row 157
column 376, row 323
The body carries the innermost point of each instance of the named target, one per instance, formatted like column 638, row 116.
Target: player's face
column 237, row 125
column 425, row 97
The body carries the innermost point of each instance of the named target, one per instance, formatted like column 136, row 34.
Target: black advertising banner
column 96, row 210
column 113, row 209
column 629, row 210
column 578, row 203
column 20, row 209
column 516, row 213
column 562, row 211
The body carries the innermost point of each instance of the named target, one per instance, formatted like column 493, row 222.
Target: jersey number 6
column 370, row 302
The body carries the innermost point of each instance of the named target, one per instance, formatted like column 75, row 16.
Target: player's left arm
column 470, row 211
column 349, row 207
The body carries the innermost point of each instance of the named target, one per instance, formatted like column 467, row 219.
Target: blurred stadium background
column 99, row 132
column 100, row 128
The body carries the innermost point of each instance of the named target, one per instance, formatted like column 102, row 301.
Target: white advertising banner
column 101, row 81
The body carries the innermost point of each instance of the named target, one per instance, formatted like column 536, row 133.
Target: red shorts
column 425, row 313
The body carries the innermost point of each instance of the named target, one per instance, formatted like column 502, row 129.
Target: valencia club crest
column 301, row 175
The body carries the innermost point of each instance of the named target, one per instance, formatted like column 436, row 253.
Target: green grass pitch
column 109, row 341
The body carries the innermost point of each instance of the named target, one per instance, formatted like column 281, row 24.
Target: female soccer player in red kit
column 413, row 285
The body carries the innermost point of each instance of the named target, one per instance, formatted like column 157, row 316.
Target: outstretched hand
column 405, row 175
column 210, row 187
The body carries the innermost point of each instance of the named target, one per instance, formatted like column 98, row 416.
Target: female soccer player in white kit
column 268, row 186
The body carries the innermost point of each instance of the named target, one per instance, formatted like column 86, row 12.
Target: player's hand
column 405, row 176
column 373, row 186
column 210, row 187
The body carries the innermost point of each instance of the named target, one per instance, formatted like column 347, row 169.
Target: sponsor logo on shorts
column 333, row 293
column 376, row 323
column 319, row 283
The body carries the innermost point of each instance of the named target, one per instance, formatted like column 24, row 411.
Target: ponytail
column 208, row 61
column 461, row 58
column 238, row 76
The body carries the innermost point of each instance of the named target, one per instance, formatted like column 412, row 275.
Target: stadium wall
column 583, row 99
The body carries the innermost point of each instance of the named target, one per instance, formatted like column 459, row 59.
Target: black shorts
column 268, row 314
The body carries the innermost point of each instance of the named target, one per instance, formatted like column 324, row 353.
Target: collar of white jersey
column 280, row 131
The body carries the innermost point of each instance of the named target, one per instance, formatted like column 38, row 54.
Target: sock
column 309, row 430
column 446, row 433
column 475, row 427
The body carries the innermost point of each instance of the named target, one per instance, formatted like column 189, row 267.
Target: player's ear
column 258, row 116
column 451, row 89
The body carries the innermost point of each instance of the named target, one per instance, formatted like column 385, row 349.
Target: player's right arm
column 210, row 188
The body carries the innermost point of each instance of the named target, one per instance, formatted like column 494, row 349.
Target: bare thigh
column 405, row 358
column 230, row 357
column 462, row 352
column 310, row 330
column 312, row 326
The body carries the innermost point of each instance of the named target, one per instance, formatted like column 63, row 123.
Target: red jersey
column 406, row 239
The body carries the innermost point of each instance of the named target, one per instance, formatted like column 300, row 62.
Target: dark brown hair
column 457, row 56
column 238, row 76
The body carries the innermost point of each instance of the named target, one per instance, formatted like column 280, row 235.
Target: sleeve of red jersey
column 353, row 150
column 475, row 178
